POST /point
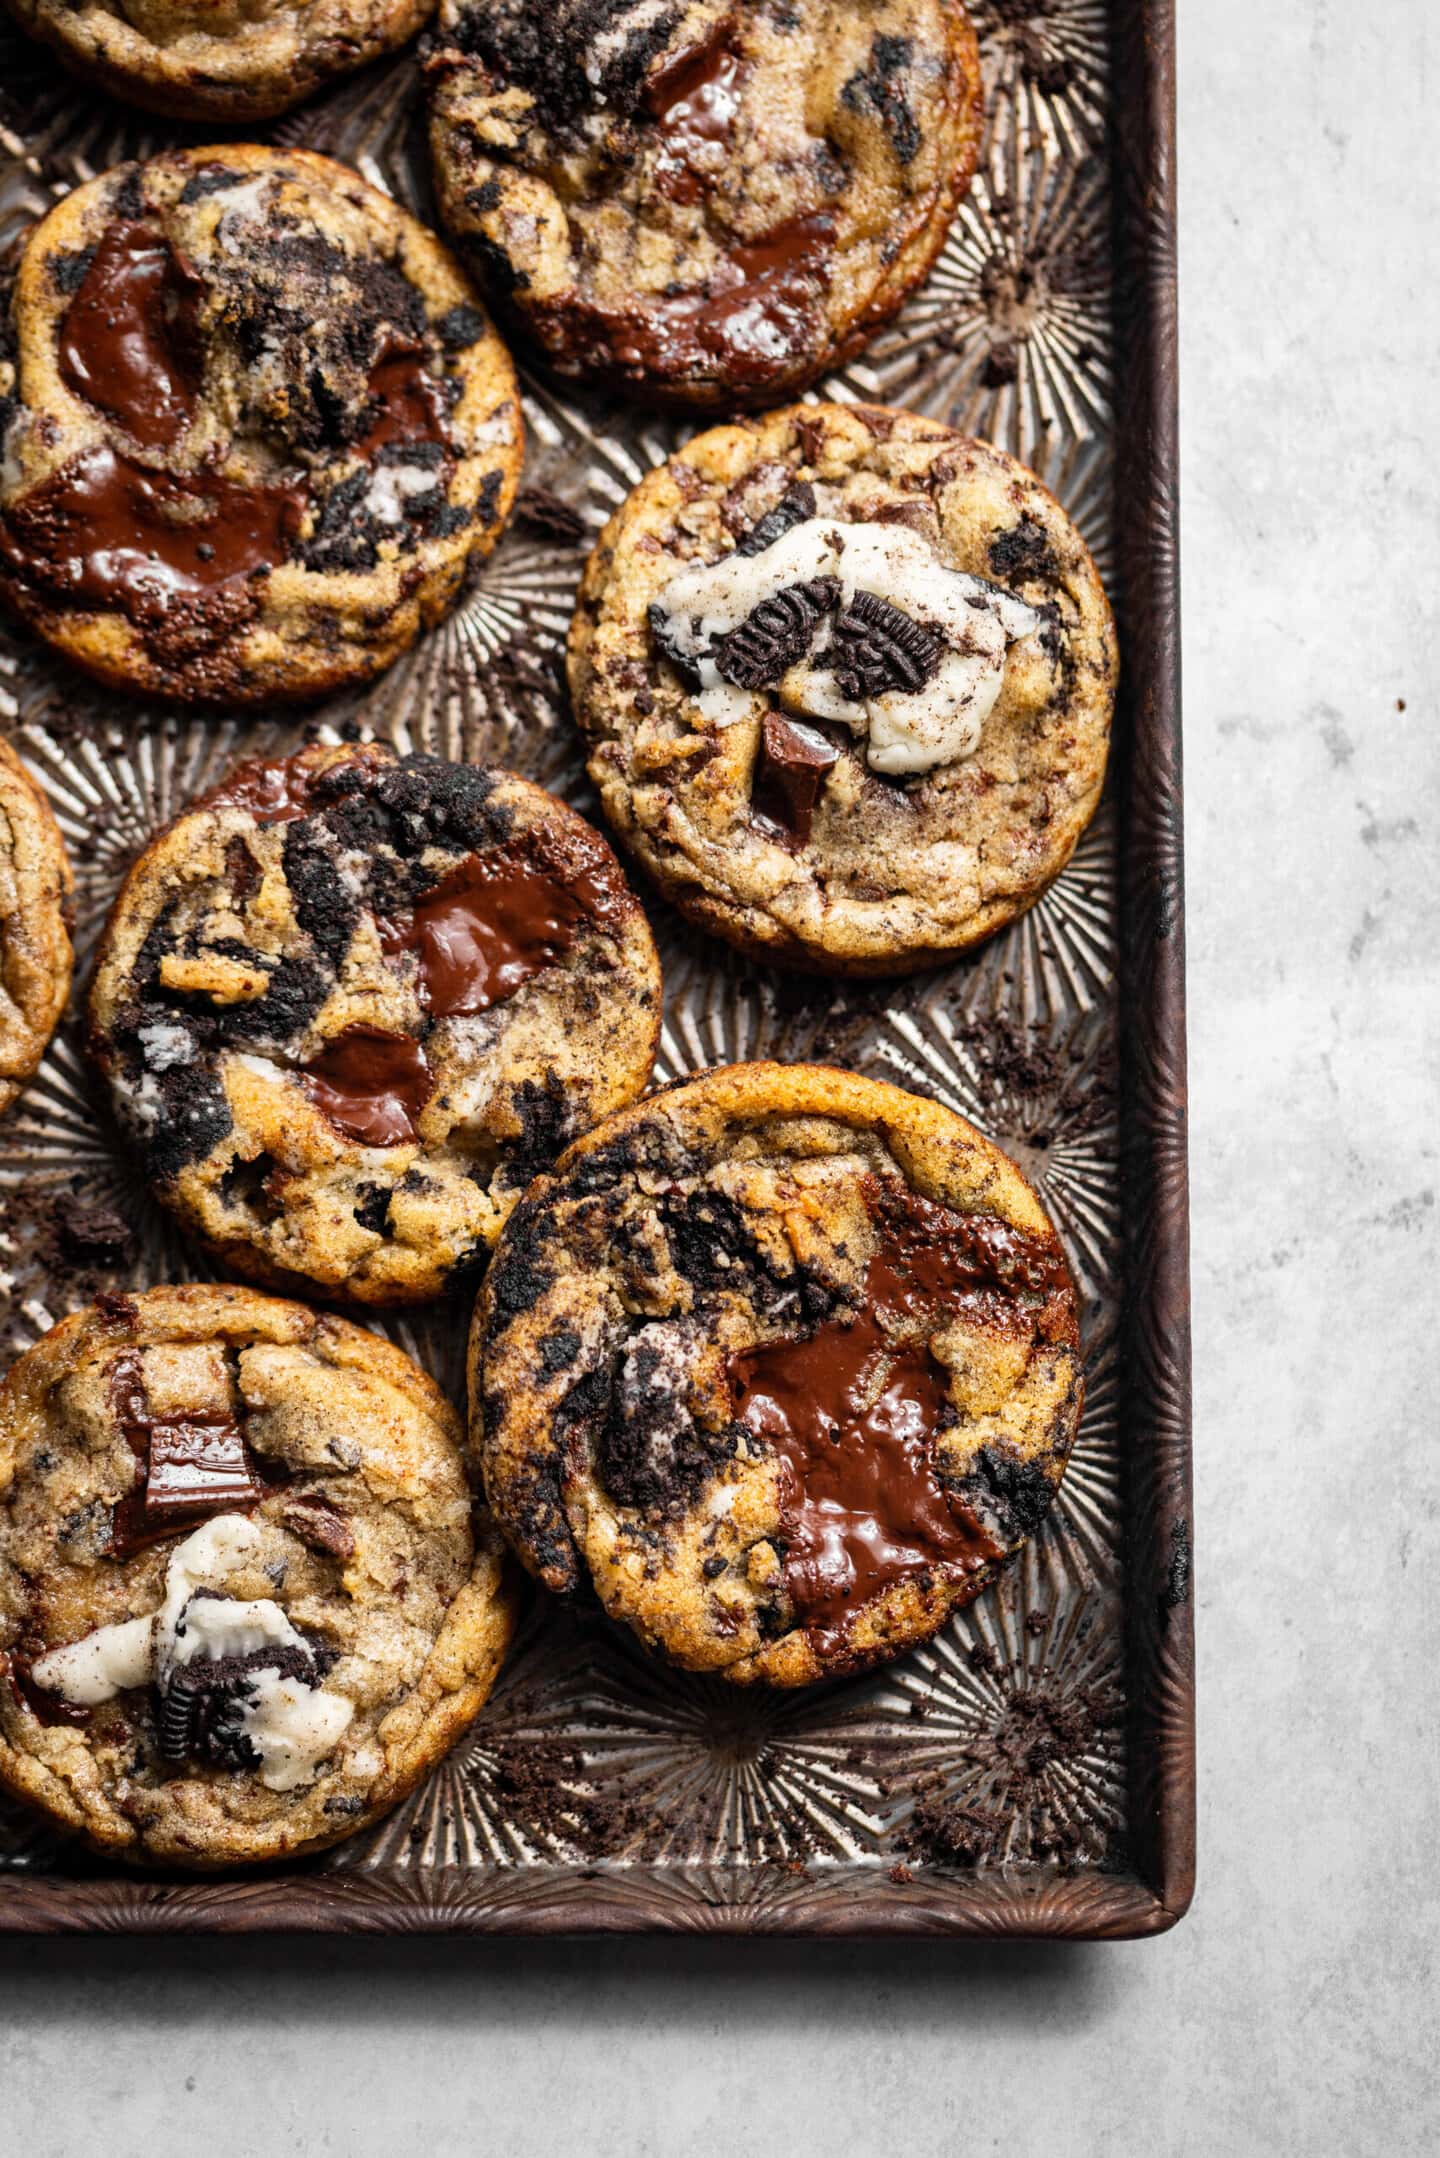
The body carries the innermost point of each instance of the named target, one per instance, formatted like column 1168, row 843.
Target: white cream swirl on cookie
column 271, row 1718
column 861, row 624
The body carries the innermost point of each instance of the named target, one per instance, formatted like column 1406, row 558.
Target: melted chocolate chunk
column 495, row 921
column 128, row 341
column 105, row 532
column 695, row 103
column 853, row 1411
column 191, row 1466
column 372, row 1086
column 408, row 403
column 879, row 648
column 776, row 635
column 791, row 767
column 320, row 1523
column 271, row 790
column 760, row 307
column 46, row 1707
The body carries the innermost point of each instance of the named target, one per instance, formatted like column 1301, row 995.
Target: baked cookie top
column 238, row 60
column 784, row 1361
column 350, row 1003
column 847, row 679
column 717, row 202
column 245, row 1601
column 255, row 425
column 35, row 956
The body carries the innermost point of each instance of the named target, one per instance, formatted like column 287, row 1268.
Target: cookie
column 350, row 1003
column 35, row 956
column 197, row 61
column 784, row 1363
column 847, row 679
column 716, row 203
column 245, row 1600
column 255, row 427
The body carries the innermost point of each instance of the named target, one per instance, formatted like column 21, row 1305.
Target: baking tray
column 1031, row 1771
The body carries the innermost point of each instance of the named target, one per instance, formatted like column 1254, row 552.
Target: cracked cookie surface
column 349, row 1004
column 716, row 202
column 784, row 1363
column 847, row 679
column 255, row 422
column 199, row 60
column 246, row 1601
column 35, row 955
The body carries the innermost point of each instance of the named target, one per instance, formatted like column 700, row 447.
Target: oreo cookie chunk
column 199, row 62
column 35, row 955
column 255, row 427
column 876, row 673
column 245, row 1600
column 350, row 1003
column 713, row 203
column 783, row 1363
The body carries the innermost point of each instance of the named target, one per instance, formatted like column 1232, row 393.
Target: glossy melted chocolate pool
column 853, row 1411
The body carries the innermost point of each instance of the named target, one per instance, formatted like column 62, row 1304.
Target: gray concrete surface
column 1294, row 2011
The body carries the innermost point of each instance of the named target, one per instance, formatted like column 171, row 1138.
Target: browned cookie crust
column 784, row 1362
column 349, row 1004
column 255, row 426
column 199, row 60
column 847, row 678
column 247, row 1530
column 35, row 956
column 717, row 202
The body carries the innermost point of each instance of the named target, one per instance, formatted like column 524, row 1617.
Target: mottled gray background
column 1294, row 2010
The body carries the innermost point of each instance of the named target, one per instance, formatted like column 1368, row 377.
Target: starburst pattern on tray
column 997, row 1747
column 1019, row 1755
column 1045, row 61
column 1010, row 338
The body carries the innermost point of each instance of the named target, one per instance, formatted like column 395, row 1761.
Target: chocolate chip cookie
column 244, row 60
column 245, row 1600
column 784, row 1362
column 255, row 426
column 35, row 957
column 350, row 1003
column 847, row 678
column 715, row 202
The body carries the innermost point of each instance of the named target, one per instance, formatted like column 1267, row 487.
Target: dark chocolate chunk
column 775, row 635
column 320, row 1523
column 790, row 770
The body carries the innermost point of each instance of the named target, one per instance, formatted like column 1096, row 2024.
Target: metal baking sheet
column 1031, row 1770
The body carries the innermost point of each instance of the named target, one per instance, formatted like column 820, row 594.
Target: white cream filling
column 392, row 486
column 292, row 1726
column 906, row 731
